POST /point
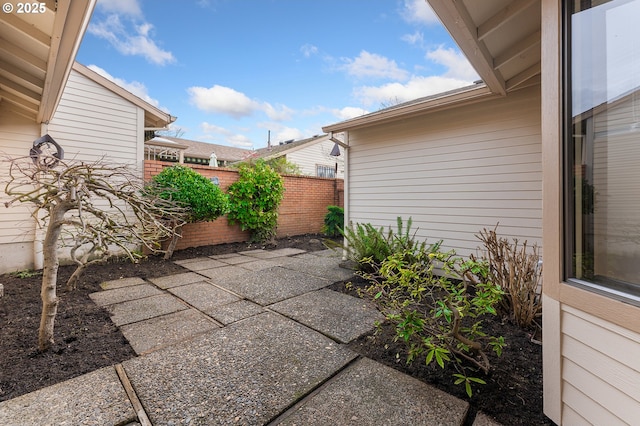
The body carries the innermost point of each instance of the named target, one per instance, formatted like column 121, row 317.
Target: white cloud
column 415, row 39
column 374, row 65
column 132, row 38
column 229, row 137
column 135, row 87
column 120, row 7
column 349, row 112
column 417, row 87
column 286, row 134
column 223, row 100
column 227, row 101
column 418, row 11
column 309, row 50
column 457, row 64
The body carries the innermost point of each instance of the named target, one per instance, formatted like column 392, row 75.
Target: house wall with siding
column 308, row 157
column 600, row 371
column 91, row 123
column 453, row 172
column 17, row 227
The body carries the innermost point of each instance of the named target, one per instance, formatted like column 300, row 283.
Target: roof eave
column 432, row 104
column 154, row 117
column 71, row 21
column 456, row 19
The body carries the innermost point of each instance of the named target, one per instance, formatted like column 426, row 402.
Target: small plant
column 439, row 317
column 333, row 221
column 255, row 198
column 26, row 273
column 517, row 270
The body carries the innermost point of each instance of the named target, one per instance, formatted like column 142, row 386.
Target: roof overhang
column 154, row 118
column 37, row 51
column 443, row 101
column 500, row 38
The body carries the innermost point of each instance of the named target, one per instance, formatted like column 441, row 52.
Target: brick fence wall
column 301, row 212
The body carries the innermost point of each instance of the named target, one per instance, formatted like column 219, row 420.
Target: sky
column 234, row 70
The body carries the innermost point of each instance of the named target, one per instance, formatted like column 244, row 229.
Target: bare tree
column 96, row 210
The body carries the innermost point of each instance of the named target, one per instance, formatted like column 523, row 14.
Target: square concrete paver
column 142, row 309
column 145, row 336
column 334, row 314
column 259, row 265
column 272, row 285
column 123, row 294
column 96, row 398
column 368, row 393
column 201, row 264
column 235, row 259
column 176, row 280
column 122, row 282
column 320, row 266
column 222, row 273
column 203, row 296
column 289, row 251
column 246, row 373
column 236, row 311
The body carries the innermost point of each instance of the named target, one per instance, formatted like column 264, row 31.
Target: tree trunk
column 50, row 277
column 173, row 243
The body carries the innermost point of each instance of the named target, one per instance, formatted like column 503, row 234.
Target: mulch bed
column 86, row 339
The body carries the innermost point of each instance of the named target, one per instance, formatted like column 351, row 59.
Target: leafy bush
column 368, row 246
column 518, row 272
column 333, row 221
column 439, row 317
column 255, row 198
column 203, row 200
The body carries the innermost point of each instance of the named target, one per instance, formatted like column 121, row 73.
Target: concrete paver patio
column 247, row 338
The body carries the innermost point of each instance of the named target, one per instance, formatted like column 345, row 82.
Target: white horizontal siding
column 453, row 172
column 92, row 122
column 312, row 155
column 600, row 369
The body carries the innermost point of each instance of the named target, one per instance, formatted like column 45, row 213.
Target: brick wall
column 301, row 212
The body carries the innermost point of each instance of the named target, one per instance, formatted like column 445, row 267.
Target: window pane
column 604, row 141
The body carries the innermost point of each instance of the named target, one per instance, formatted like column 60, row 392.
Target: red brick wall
column 301, row 212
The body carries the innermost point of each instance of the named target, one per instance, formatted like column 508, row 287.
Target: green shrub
column 368, row 246
column 439, row 317
column 203, row 200
column 255, row 198
column 333, row 221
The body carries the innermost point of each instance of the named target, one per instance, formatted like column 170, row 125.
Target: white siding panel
column 93, row 123
column 454, row 172
column 309, row 157
column 16, row 138
column 600, row 368
column 575, row 400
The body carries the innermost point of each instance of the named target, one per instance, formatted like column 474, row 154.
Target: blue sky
column 231, row 70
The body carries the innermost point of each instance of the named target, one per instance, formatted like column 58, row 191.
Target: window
column 602, row 146
column 325, row 171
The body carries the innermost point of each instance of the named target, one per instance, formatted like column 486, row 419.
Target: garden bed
column 86, row 339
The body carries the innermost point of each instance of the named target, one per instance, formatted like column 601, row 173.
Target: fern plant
column 333, row 221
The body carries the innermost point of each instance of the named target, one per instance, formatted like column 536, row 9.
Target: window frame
column 611, row 288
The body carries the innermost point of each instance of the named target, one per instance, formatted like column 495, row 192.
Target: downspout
column 39, row 232
column 344, row 145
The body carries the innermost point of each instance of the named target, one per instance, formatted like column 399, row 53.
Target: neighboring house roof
column 38, row 50
column 195, row 149
column 500, row 39
column 464, row 95
column 284, row 148
column 154, row 117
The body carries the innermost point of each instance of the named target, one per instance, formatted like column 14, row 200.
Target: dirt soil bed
column 86, row 339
